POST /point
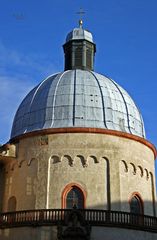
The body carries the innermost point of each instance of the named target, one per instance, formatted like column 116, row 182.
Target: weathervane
column 81, row 13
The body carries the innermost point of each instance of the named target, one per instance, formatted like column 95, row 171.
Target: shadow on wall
column 135, row 205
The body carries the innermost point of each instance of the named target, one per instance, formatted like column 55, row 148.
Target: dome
column 78, row 98
column 79, row 34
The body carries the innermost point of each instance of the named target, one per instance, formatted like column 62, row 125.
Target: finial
column 80, row 23
column 81, row 13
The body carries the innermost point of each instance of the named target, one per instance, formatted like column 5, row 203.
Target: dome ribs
column 74, row 98
column 103, row 105
column 78, row 98
column 124, row 103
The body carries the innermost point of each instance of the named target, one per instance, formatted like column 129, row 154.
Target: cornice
column 87, row 130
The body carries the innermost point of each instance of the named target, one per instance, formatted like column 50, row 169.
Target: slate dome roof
column 78, row 98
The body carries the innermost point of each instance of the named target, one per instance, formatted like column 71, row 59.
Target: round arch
column 73, row 195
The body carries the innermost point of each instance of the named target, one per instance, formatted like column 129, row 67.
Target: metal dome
column 79, row 34
column 78, row 98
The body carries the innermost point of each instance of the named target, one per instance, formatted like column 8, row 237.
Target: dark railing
column 93, row 217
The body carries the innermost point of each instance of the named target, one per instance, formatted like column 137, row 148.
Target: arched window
column 136, row 205
column 73, row 196
column 12, row 204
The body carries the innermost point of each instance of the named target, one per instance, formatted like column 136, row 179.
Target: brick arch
column 67, row 190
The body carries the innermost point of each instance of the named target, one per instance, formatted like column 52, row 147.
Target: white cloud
column 18, row 75
column 12, row 91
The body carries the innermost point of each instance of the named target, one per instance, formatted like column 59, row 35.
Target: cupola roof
column 79, row 34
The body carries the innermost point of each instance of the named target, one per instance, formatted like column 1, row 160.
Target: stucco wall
column 29, row 233
column 47, row 164
column 97, row 233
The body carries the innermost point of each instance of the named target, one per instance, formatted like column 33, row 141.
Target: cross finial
column 81, row 13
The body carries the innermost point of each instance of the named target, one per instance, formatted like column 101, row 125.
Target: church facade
column 78, row 165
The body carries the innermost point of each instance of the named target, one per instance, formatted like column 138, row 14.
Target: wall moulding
column 85, row 160
column 87, row 130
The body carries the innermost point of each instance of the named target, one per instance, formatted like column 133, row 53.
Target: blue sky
column 32, row 34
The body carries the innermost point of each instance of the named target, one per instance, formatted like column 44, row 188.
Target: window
column 136, row 205
column 12, row 204
column 78, row 56
column 89, row 58
column 74, row 198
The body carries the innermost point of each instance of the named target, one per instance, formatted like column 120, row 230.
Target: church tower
column 78, row 164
